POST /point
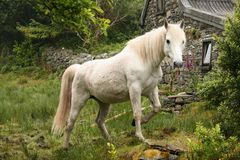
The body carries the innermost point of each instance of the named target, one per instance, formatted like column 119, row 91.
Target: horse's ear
column 182, row 24
column 165, row 24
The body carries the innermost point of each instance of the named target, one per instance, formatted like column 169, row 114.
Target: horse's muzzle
column 177, row 64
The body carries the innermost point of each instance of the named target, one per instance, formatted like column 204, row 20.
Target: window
column 160, row 6
column 207, row 46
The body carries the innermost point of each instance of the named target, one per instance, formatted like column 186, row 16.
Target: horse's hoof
column 133, row 122
column 66, row 146
column 141, row 138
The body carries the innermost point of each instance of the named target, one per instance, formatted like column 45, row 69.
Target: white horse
column 132, row 73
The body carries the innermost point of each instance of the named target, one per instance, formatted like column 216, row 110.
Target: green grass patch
column 107, row 48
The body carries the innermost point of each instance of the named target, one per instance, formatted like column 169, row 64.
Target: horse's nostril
column 178, row 64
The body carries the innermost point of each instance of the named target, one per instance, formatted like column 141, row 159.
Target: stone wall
column 154, row 19
column 58, row 59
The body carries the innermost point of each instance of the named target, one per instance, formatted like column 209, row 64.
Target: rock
column 168, row 14
column 41, row 142
column 167, row 78
column 177, row 112
column 179, row 100
column 178, row 108
column 167, row 101
column 182, row 93
column 168, row 69
column 152, row 154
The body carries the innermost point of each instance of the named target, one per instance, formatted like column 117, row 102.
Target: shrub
column 26, row 54
column 221, row 87
column 211, row 144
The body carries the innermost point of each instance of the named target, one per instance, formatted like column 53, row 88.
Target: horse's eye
column 183, row 42
column 168, row 41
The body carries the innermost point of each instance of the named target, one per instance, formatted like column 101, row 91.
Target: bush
column 221, row 87
column 26, row 54
column 211, row 144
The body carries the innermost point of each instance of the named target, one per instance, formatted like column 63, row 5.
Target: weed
column 193, row 33
column 112, row 151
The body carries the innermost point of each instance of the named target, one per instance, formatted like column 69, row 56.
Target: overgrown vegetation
column 221, row 87
column 211, row 144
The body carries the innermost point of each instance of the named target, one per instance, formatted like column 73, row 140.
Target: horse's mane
column 150, row 46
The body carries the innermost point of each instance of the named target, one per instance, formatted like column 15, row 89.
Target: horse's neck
column 155, row 65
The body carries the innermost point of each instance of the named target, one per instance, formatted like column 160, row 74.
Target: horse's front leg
column 135, row 97
column 154, row 99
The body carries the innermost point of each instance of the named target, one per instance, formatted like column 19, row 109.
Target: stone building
column 211, row 12
column 202, row 18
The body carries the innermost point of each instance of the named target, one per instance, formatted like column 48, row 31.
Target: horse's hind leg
column 100, row 120
column 154, row 99
column 79, row 98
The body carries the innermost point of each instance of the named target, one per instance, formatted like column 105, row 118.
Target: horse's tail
column 64, row 105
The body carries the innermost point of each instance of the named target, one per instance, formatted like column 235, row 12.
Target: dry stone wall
column 59, row 59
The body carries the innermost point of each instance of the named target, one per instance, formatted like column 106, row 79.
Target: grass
column 27, row 107
column 106, row 47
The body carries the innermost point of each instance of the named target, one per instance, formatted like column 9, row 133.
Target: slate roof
column 212, row 12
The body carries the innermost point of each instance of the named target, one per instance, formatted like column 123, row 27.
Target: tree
column 124, row 16
column 13, row 12
column 221, row 87
column 82, row 17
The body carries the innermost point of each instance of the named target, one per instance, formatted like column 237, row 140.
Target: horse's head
column 174, row 43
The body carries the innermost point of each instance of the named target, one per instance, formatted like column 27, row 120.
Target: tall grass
column 24, row 101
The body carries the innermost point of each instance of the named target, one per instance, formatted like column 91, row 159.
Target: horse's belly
column 111, row 97
column 109, row 89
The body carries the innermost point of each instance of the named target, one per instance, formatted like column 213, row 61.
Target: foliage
column 193, row 33
column 221, row 87
column 26, row 54
column 36, row 30
column 81, row 17
column 124, row 17
column 211, row 144
column 112, row 151
column 71, row 24
column 214, row 87
column 11, row 12
column 106, row 47
column 229, row 45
